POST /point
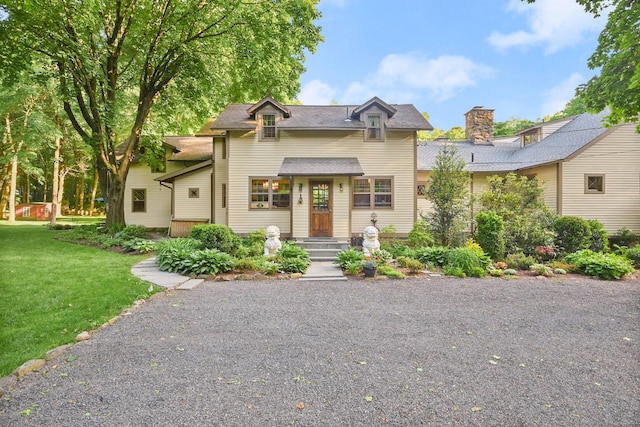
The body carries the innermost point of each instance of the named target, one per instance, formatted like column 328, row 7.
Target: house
column 36, row 211
column 313, row 171
column 586, row 170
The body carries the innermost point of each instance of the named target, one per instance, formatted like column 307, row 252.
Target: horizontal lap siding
column 250, row 157
column 617, row 156
column 220, row 178
column 193, row 208
column 548, row 179
column 158, row 203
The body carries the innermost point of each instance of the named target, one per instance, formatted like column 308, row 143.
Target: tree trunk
column 94, row 191
column 55, row 202
column 12, row 191
column 115, row 207
column 4, row 199
column 81, row 195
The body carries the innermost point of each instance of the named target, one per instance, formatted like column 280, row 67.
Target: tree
column 519, row 201
column 131, row 69
column 448, row 191
column 617, row 58
column 511, row 126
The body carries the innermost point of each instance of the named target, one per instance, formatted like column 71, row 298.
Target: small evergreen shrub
column 510, row 272
column 520, row 261
column 398, row 250
column 420, row 235
column 603, row 266
column 257, row 236
column 132, row 231
column 412, row 264
column 625, row 237
column 348, row 256
column 387, row 270
column 292, row 258
column 490, row 234
column 572, row 234
column 246, row 264
column 216, row 236
column 632, row 254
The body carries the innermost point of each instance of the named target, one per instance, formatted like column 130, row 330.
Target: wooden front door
column 321, row 209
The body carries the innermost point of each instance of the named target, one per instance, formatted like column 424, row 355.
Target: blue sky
column 445, row 57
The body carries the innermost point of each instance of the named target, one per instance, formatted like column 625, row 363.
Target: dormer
column 374, row 114
column 267, row 113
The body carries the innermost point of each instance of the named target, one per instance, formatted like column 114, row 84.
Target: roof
column 567, row 141
column 170, row 177
column 323, row 117
column 300, row 166
column 189, row 148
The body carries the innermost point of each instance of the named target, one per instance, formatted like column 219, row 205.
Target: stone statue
column 370, row 243
column 272, row 244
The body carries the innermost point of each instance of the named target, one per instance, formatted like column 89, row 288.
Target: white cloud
column 556, row 98
column 400, row 77
column 554, row 24
column 317, row 92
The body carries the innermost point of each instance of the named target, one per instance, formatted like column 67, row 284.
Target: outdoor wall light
column 300, row 189
column 300, row 198
column 341, row 187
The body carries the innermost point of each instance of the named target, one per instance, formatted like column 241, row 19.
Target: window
column 26, row 211
column 138, row 200
column 224, row 195
column 194, row 193
column 594, row 183
column 374, row 127
column 373, row 192
column 421, row 189
column 268, row 126
column 270, row 193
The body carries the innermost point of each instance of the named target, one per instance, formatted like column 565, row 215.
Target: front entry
column 321, row 209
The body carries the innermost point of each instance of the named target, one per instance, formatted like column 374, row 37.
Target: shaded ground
column 438, row 351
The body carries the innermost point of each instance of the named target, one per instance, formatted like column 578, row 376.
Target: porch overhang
column 170, row 177
column 320, row 166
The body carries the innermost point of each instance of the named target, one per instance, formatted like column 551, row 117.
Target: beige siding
column 250, row 157
column 220, row 181
column 186, row 207
column 158, row 202
column 548, row 129
column 548, row 178
column 617, row 157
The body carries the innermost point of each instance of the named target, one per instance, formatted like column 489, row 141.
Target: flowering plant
column 545, row 253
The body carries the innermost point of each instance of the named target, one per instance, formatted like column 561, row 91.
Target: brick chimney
column 479, row 125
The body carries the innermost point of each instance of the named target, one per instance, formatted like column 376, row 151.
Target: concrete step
column 322, row 249
column 323, row 271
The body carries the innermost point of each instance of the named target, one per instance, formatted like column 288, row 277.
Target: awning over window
column 313, row 166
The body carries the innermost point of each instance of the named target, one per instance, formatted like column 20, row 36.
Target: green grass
column 50, row 291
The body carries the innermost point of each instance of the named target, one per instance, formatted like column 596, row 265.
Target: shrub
column 541, row 270
column 509, row 272
column 292, row 258
column 398, row 250
column 216, row 236
column 520, row 261
column 269, row 267
column 599, row 236
column 133, row 231
column 490, row 234
column 436, row 255
column 470, row 261
column 412, row 264
column 625, row 237
column 246, row 264
column 545, row 253
column 450, row 270
column 382, row 257
column 572, row 234
column 137, row 244
column 632, row 254
column 173, row 254
column 257, row 236
column 209, row 262
column 388, row 233
column 353, row 268
column 603, row 266
column 348, row 256
column 420, row 235
column 249, row 249
column 387, row 270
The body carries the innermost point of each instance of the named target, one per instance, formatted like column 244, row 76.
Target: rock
column 6, row 383
column 83, row 336
column 57, row 352
column 26, row 367
column 296, row 275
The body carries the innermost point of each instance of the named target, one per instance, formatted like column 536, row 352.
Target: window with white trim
column 594, row 184
column 269, row 193
column 26, row 211
column 373, row 192
column 421, row 189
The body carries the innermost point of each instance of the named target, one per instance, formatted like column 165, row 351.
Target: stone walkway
column 149, row 271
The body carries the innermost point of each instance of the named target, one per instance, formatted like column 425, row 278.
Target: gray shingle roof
column 301, row 166
column 320, row 117
column 508, row 156
column 189, row 148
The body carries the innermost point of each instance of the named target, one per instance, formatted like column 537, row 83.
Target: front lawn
column 51, row 290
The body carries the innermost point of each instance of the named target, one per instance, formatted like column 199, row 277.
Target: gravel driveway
column 468, row 352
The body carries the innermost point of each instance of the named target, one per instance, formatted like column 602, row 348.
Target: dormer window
column 374, row 127
column 268, row 126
